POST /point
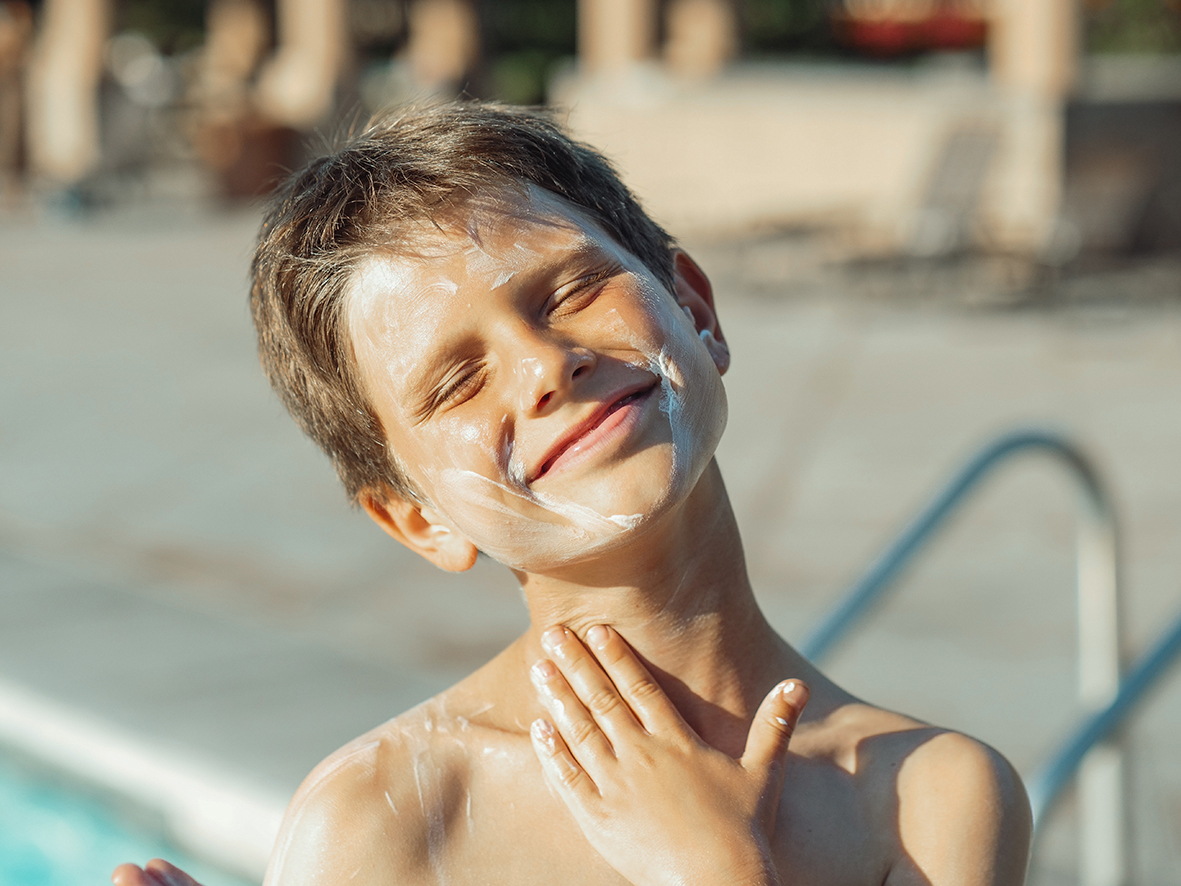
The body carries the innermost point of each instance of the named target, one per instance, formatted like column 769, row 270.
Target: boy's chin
column 608, row 516
column 640, row 488
column 576, row 517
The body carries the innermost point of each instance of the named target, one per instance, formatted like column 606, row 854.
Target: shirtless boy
column 502, row 353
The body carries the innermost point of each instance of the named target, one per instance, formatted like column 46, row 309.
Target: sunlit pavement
column 176, row 559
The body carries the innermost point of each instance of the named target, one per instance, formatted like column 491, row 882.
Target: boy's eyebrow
column 583, row 245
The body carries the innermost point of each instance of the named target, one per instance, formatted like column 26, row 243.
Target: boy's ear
column 695, row 295
column 420, row 528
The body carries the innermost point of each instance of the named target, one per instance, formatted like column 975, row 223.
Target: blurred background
column 927, row 221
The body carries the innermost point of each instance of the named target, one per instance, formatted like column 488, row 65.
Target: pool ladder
column 1093, row 749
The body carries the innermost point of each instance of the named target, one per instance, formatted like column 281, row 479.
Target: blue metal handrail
column 1099, row 655
column 878, row 579
column 1047, row 784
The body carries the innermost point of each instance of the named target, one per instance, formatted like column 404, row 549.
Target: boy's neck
column 681, row 597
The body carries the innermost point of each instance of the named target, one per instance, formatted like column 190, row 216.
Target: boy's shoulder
column 378, row 804
column 857, row 735
column 929, row 782
column 953, row 784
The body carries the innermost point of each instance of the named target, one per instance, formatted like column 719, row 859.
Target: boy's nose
column 548, row 376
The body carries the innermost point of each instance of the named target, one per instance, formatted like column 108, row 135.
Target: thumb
column 774, row 723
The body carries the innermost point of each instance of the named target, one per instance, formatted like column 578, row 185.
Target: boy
column 502, row 353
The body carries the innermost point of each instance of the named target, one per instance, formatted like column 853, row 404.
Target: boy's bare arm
column 963, row 817
column 330, row 835
column 358, row 817
column 358, row 811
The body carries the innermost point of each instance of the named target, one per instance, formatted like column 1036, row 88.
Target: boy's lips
column 586, row 434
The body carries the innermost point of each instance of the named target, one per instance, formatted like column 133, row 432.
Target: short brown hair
column 407, row 166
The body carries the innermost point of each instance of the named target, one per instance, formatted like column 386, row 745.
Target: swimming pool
column 51, row 835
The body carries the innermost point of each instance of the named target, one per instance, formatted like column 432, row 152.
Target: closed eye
column 465, row 386
column 580, row 293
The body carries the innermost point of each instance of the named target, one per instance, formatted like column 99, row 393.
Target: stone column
column 1033, row 46
column 236, row 39
column 297, row 86
column 1032, row 51
column 16, row 26
column 444, row 43
column 64, row 75
column 615, row 34
column 228, row 135
column 702, row 36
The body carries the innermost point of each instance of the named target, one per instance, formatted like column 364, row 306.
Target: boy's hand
column 658, row 804
column 156, row 872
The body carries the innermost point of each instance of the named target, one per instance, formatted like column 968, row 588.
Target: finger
column 774, row 723
column 156, row 872
column 133, row 875
column 561, row 770
column 578, row 729
column 178, row 877
column 636, row 684
column 593, row 687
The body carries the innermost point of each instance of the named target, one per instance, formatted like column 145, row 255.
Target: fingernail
column 542, row 671
column 553, row 638
column 597, row 636
column 543, row 734
column 794, row 691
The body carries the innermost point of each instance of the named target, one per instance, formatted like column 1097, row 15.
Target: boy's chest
column 514, row 830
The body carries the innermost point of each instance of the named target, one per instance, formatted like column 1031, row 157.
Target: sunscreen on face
column 471, row 468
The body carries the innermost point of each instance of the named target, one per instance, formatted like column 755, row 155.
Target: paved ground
column 176, row 561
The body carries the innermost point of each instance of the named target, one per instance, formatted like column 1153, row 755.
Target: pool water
column 52, row 836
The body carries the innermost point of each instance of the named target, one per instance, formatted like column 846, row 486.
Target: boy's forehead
column 484, row 220
column 490, row 239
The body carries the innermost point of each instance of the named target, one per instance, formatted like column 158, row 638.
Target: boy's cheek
column 459, row 448
column 461, row 441
column 638, row 335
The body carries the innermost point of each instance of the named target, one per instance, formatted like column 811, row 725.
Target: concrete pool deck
column 180, row 575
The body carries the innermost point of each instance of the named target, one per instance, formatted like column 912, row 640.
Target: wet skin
column 495, row 359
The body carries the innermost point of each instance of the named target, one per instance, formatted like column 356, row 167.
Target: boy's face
column 545, row 392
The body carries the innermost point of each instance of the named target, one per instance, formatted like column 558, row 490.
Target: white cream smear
column 431, row 741
column 468, row 463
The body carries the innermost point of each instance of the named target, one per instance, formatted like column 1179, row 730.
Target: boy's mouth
column 588, row 433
